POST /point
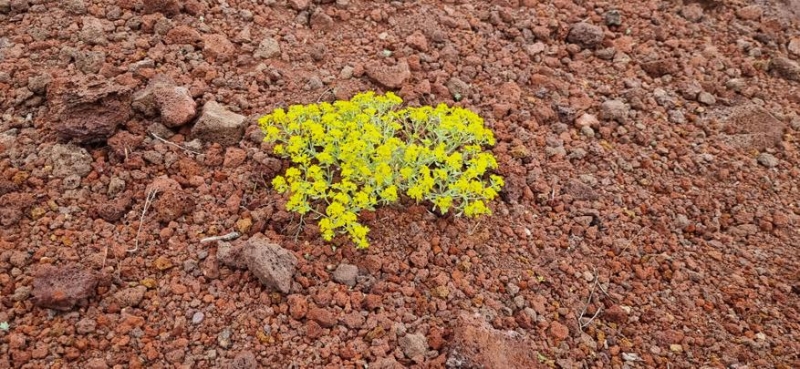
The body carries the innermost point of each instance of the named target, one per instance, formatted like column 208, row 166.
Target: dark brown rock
column 115, row 209
column 585, row 34
column 661, row 67
column 166, row 7
column 785, row 68
column 88, row 110
column 244, row 360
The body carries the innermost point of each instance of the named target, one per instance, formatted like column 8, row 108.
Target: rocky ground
column 650, row 217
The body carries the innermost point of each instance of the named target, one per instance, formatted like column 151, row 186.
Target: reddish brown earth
column 650, row 217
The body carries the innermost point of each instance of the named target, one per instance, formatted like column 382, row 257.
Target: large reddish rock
column 183, row 34
column 13, row 206
column 476, row 344
column 217, row 47
column 62, row 287
column 162, row 97
column 749, row 127
column 389, row 76
column 170, row 201
column 273, row 265
column 88, row 110
column 217, row 124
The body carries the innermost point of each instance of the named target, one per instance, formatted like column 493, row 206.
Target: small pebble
column 198, row 317
column 767, row 160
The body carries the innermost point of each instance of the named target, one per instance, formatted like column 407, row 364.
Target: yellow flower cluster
column 353, row 155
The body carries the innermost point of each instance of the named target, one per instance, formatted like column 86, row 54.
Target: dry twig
column 582, row 325
column 151, row 195
column 224, row 237
column 174, row 144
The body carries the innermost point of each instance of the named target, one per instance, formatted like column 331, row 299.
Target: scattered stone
column 581, row 191
column 414, row 346
column 113, row 210
column 231, row 255
column 62, row 287
column 166, row 7
column 323, row 317
column 77, row 7
column 676, row 116
column 353, row 320
column 458, row 88
column 559, row 331
column 785, row 68
column 793, row 47
column 175, row 105
column 585, row 34
column 736, row 84
column 273, row 265
column 693, row 12
column 68, row 159
column 615, row 110
column 320, row 20
column 615, row 314
column 92, row 31
column 90, row 62
column 389, row 76
column 267, row 49
column 85, row 326
column 224, row 338
column 587, row 120
column 706, row 98
column 183, row 35
column 19, row 6
column 5, row 6
column 299, row 4
column 613, row 18
column 96, row 363
column 171, row 202
column 217, row 124
column 750, row 127
column 475, row 344
column 38, row 83
column 768, row 160
column 13, row 206
column 750, row 12
column 244, row 360
column 298, row 306
column 198, row 317
column 130, row 297
column 346, row 274
column 418, row 41
column 660, row 67
column 217, row 47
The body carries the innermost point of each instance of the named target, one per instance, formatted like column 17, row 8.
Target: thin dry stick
column 174, row 144
column 224, row 237
column 151, row 195
column 589, row 301
column 105, row 255
column 329, row 90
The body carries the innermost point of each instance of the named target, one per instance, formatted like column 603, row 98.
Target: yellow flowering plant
column 353, row 155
